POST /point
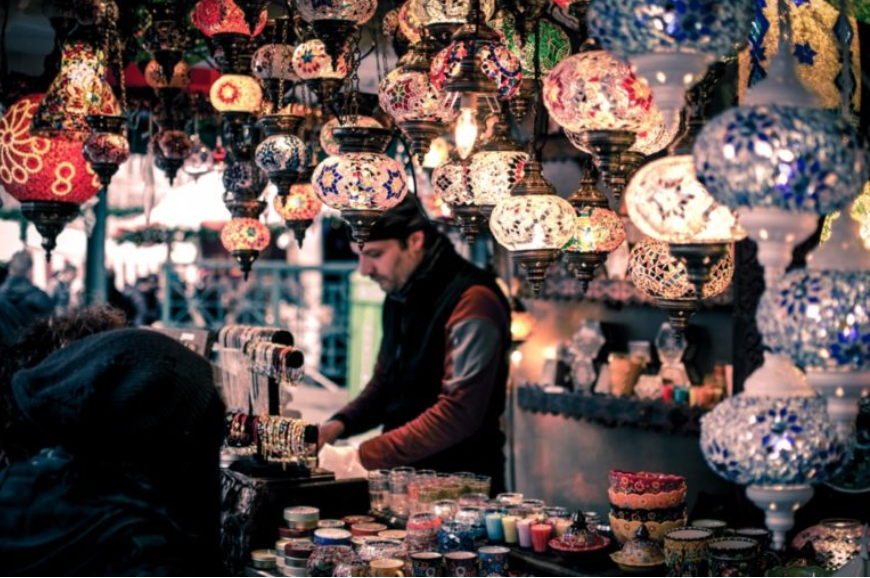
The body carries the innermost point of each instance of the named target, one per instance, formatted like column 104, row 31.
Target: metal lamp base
column 470, row 220
column 49, row 218
column 679, row 311
column 361, row 223
column 584, row 265
column 536, row 262
column 607, row 148
column 299, row 229
column 420, row 134
column 779, row 504
column 246, row 258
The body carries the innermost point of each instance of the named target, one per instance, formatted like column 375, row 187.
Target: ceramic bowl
column 573, row 554
column 630, row 566
column 623, row 530
column 645, row 482
column 655, row 515
column 647, row 501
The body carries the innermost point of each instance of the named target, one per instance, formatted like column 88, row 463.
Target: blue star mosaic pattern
column 805, row 53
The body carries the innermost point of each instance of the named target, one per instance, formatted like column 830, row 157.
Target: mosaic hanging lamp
column 598, row 230
column 409, row 97
column 48, row 176
column 534, row 223
column 475, row 71
column 299, row 207
column 314, row 65
column 670, row 44
column 166, row 39
column 327, row 136
column 496, row 168
column 282, row 155
column 780, row 162
column 775, row 438
column 272, row 63
column 451, row 183
column 361, row 181
column 244, row 238
column 442, row 19
column 658, row 274
column 598, row 97
column 820, row 317
column 80, row 89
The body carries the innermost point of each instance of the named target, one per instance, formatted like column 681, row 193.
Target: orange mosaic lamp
column 298, row 209
column 244, row 238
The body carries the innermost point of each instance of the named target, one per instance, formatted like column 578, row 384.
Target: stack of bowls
column 654, row 499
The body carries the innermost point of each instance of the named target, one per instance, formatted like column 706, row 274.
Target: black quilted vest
column 413, row 351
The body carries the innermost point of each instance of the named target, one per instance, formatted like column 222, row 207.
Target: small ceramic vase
column 686, row 551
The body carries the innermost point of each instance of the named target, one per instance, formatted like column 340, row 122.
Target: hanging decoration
column 282, row 155
column 298, row 208
column 660, row 275
column 48, row 176
column 272, row 64
column 327, row 136
column 597, row 232
column 475, row 71
column 336, row 22
column 408, row 95
column 451, row 184
column 496, row 168
column 325, row 75
column 166, row 39
column 443, row 18
column 244, row 238
column 669, row 44
column 600, row 99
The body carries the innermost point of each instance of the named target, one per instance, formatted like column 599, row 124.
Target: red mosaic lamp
column 298, row 208
column 49, row 176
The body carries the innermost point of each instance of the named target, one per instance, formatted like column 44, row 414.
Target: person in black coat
column 129, row 485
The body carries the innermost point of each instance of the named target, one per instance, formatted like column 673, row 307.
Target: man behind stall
column 439, row 382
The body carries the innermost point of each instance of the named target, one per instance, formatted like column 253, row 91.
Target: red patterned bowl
column 573, row 554
column 648, row 501
column 645, row 482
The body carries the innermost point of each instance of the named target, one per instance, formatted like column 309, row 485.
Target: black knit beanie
column 134, row 391
column 400, row 221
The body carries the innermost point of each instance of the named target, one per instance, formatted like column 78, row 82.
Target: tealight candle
column 560, row 526
column 494, row 529
column 524, row 532
column 540, row 537
column 509, row 525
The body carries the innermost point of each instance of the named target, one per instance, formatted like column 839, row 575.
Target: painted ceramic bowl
column 623, row 529
column 656, row 515
column 575, row 552
column 645, row 482
column 647, row 501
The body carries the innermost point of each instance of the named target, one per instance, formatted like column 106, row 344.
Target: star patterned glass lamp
column 107, row 146
column 48, row 176
column 172, row 147
column 244, row 238
column 298, row 208
column 313, row 64
column 670, row 44
column 598, row 230
column 780, row 162
column 272, row 64
column 820, row 318
column 282, row 155
column 534, row 223
column 775, row 438
column 361, row 181
column 244, row 183
column 80, row 89
column 475, row 71
column 660, row 275
column 409, row 97
column 600, row 99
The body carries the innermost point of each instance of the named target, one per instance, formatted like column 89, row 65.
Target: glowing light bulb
column 466, row 132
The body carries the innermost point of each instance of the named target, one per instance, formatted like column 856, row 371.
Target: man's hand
column 330, row 431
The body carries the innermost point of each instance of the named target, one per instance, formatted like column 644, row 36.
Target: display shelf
column 612, row 411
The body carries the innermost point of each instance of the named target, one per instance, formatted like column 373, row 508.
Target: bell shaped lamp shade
column 80, row 89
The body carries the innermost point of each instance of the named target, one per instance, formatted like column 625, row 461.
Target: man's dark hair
column 36, row 342
column 399, row 222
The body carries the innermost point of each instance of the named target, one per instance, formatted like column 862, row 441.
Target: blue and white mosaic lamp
column 820, row 318
column 670, row 43
column 780, row 166
column 776, row 439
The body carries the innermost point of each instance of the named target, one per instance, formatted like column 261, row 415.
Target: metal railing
column 275, row 294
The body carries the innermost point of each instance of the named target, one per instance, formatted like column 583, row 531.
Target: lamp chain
column 844, row 31
column 350, row 107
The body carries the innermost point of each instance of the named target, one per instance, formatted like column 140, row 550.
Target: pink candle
column 540, row 537
column 524, row 530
